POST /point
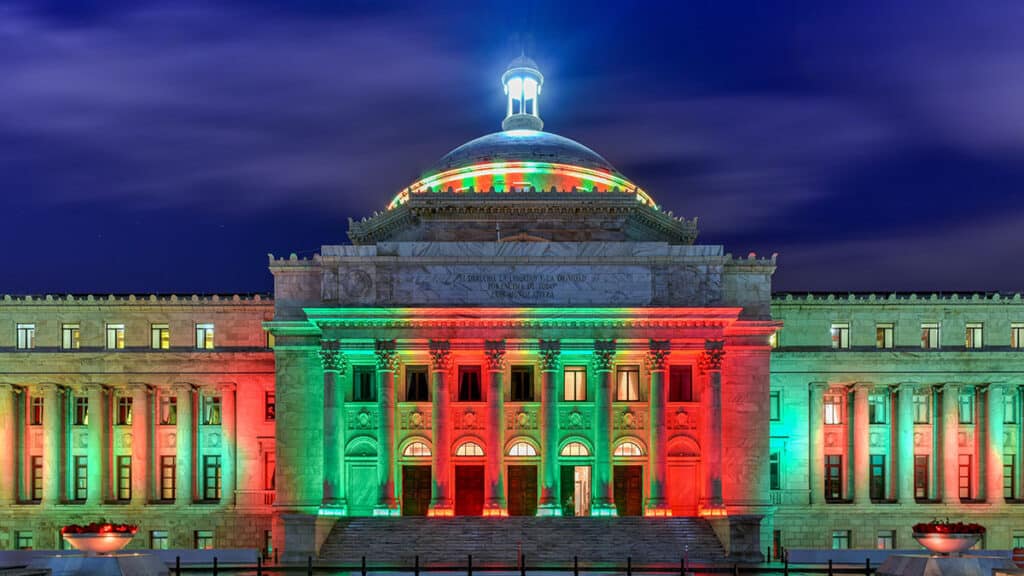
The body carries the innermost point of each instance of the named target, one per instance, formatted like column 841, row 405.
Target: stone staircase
column 497, row 541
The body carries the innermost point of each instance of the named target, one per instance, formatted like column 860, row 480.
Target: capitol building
column 524, row 335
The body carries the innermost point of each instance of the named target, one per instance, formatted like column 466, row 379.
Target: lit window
column 26, row 336
column 930, row 335
column 1018, row 539
column 840, row 539
column 269, row 405
column 203, row 539
column 81, row 477
column 964, row 476
column 211, row 410
column 886, row 540
column 159, row 336
column 469, row 449
column 841, row 336
column 922, row 408
column 921, row 472
column 1017, row 335
column 877, row 489
column 773, row 406
column 575, row 389
column 168, row 410
column 35, row 411
column 773, row 340
column 884, row 335
column 25, row 540
column 36, row 484
column 81, row 414
column 522, row 449
column 833, row 409
column 876, row 408
column 158, row 540
column 168, row 478
column 774, row 471
column 70, row 336
column 211, row 477
column 1009, row 477
column 973, row 337
column 1010, row 406
column 124, row 478
column 965, row 404
column 124, row 411
column 204, row 336
column 575, row 449
column 115, row 336
column 628, row 389
column 416, row 449
column 628, row 449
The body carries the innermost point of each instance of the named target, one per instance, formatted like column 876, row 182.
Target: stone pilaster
column 387, row 364
column 229, row 443
column 603, row 501
column 494, row 500
column 994, row 444
column 657, row 362
column 184, row 445
column 142, row 454
column 99, row 446
column 441, row 501
column 8, row 445
column 53, row 446
column 860, row 429
column 950, row 449
column 711, row 367
column 816, row 442
column 334, row 365
column 549, row 355
column 904, row 457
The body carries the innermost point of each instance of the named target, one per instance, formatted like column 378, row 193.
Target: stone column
column 861, row 430
column 8, row 446
column 657, row 361
column 441, row 502
column 53, row 432
column 184, row 475
column 904, row 471
column 711, row 367
column 494, row 474
column 816, row 441
column 603, row 501
column 550, row 489
column 99, row 445
column 387, row 365
column 141, row 443
column 950, row 449
column 994, row 444
column 229, row 443
column 332, row 359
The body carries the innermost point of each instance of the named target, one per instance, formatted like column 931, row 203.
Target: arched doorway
column 416, row 477
column 684, row 485
column 628, row 476
column 576, row 459
column 521, row 474
column 469, row 477
column 361, row 474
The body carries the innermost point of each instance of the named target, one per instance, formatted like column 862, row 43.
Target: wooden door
column 469, row 490
column 683, row 488
column 415, row 490
column 629, row 490
column 522, row 490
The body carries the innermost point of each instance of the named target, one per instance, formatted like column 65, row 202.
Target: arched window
column 469, row 449
column 522, row 449
column 575, row 449
column 416, row 449
column 629, row 448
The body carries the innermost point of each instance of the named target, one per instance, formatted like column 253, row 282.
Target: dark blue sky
column 170, row 146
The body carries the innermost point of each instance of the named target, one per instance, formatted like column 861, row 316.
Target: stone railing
column 254, row 498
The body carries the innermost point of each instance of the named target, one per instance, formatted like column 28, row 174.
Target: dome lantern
column 522, row 81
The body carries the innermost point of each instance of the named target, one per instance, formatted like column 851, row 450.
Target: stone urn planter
column 948, row 538
column 98, row 538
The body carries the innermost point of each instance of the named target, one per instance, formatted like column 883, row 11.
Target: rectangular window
column 522, row 384
column 416, row 387
column 168, row 410
column 886, row 540
column 81, row 415
column 774, row 471
column 877, row 487
column 269, row 470
column 159, row 540
column 973, row 336
column 1018, row 539
column 680, row 383
column 877, row 408
column 70, row 336
column 773, row 340
column 1009, row 477
column 204, row 539
column 211, row 477
column 833, row 477
column 921, row 477
column 840, row 539
column 211, row 410
column 1017, row 335
column 270, row 405
column 885, row 336
column 204, row 336
column 25, row 540
column 124, row 478
column 575, row 387
column 628, row 384
column 840, row 336
column 80, row 478
column 965, row 407
column 364, row 389
column 115, row 336
column 159, row 336
column 922, row 408
column 774, row 413
column 26, row 336
column 124, row 411
column 833, row 409
column 268, row 544
column 469, row 384
column 964, row 477
column 168, row 477
column 1010, row 406
column 930, row 335
column 35, row 410
column 36, row 485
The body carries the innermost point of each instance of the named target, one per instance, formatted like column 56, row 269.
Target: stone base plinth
column 923, row 565
column 113, row 565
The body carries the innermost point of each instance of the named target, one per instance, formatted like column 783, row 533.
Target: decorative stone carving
column 521, row 420
column 81, row 440
column 361, row 419
column 171, row 440
column 961, row 439
column 416, row 419
column 468, row 420
column 549, row 355
column 126, row 440
column 573, row 418
column 213, row 440
column 657, row 355
column 440, row 355
column 1009, row 440
column 494, row 352
column 630, row 419
column 604, row 355
column 830, row 439
column 918, row 439
column 331, row 357
column 387, row 356
column 682, row 420
column 711, row 359
column 875, row 439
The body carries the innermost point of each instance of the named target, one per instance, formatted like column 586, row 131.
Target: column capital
column 91, row 387
column 901, row 387
column 182, row 387
column 949, row 386
column 549, row 353
column 332, row 359
column 440, row 355
column 387, row 356
column 862, row 387
column 604, row 355
column 494, row 352
column 711, row 358
column 817, row 386
column 6, row 387
column 996, row 387
column 46, row 388
column 137, row 386
column 657, row 354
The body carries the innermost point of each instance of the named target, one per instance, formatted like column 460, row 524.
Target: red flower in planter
column 99, row 528
column 947, row 527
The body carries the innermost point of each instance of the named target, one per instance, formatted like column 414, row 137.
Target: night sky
column 168, row 147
